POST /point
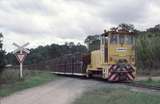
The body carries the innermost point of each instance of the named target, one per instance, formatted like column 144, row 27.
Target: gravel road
column 62, row 91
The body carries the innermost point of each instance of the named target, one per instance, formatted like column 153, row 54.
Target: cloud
column 28, row 6
column 49, row 21
column 130, row 11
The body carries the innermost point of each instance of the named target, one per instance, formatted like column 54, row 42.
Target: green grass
column 150, row 82
column 116, row 96
column 32, row 78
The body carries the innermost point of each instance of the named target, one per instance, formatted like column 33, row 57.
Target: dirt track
column 62, row 91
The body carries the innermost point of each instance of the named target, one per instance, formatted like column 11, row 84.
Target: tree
column 127, row 27
column 71, row 44
column 154, row 29
column 93, row 42
column 91, row 38
column 1, row 36
column 2, row 54
column 147, row 52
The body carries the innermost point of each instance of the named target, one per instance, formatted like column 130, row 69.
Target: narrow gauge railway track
column 133, row 84
column 140, row 85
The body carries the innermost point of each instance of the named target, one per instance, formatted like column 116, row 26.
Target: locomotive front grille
column 121, row 71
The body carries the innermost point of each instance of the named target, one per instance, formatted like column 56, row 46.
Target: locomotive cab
column 121, row 52
column 121, row 48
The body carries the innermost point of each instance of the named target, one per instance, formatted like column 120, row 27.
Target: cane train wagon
column 114, row 60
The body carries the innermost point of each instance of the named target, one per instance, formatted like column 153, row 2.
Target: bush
column 148, row 51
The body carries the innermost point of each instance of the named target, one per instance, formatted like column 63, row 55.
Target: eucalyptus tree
column 2, row 54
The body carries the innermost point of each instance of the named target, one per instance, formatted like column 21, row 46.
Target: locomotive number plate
column 121, row 49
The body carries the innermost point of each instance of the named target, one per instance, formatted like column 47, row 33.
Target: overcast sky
column 42, row 22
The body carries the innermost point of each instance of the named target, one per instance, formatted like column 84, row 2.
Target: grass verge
column 32, row 78
column 116, row 96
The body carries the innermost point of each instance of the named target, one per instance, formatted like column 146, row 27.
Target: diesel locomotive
column 113, row 61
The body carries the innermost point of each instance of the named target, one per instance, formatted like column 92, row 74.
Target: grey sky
column 42, row 22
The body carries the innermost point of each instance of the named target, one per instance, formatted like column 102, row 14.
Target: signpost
column 21, row 55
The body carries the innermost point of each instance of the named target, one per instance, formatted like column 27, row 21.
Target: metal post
column 21, row 71
column 21, row 68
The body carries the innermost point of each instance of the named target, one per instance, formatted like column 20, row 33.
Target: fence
column 70, row 63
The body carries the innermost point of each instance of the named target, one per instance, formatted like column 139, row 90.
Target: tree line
column 42, row 53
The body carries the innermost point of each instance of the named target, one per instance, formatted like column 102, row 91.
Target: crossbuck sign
column 21, row 55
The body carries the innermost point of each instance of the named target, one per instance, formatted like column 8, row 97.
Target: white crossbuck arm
column 21, row 48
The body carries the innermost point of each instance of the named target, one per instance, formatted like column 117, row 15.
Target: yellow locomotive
column 115, row 60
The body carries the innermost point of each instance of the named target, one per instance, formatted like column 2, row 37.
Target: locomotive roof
column 121, row 32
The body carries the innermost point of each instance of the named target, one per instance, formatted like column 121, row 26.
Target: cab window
column 129, row 39
column 121, row 39
column 113, row 39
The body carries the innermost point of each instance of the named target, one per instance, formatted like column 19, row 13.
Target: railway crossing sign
column 21, row 55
